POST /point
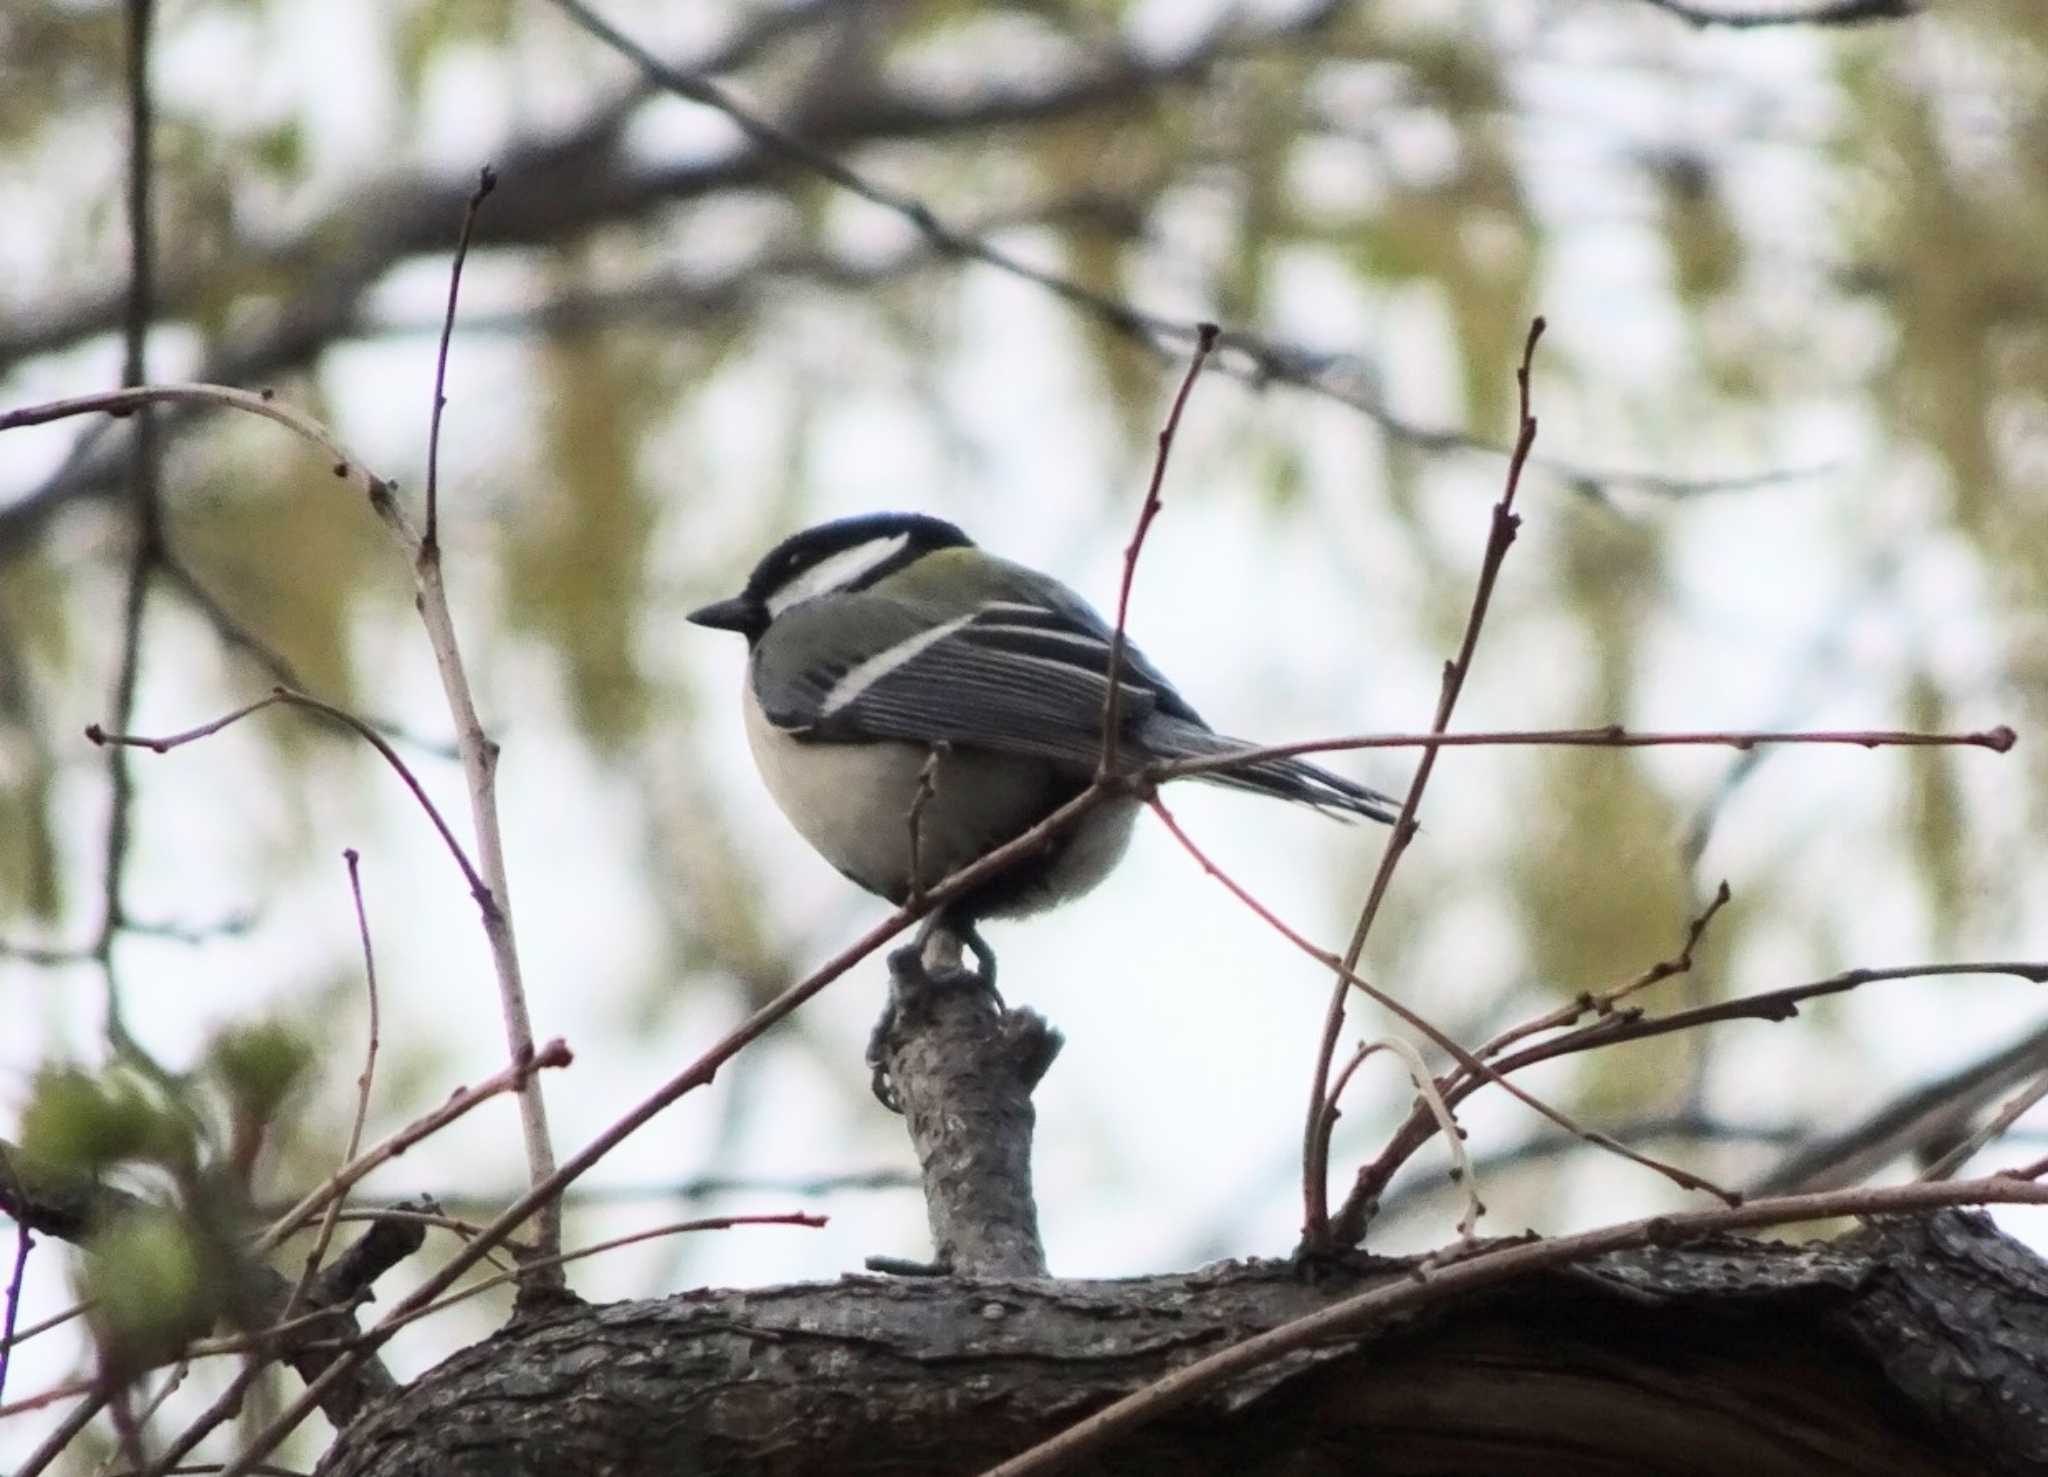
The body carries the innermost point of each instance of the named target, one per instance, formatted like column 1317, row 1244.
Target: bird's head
column 845, row 554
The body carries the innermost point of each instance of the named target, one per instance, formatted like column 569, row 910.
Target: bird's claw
column 907, row 977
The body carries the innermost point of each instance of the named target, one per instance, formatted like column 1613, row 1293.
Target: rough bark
column 1910, row 1347
column 962, row 1070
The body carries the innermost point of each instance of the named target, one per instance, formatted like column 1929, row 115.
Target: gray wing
column 1015, row 676
column 1018, row 676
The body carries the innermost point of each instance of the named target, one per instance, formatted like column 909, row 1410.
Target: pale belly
column 853, row 803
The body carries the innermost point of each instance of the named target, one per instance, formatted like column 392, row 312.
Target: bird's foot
column 913, row 970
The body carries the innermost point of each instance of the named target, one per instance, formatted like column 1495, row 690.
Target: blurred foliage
column 152, row 1290
column 576, row 562
column 76, row 1122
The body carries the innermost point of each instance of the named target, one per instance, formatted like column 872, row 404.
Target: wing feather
column 1009, row 676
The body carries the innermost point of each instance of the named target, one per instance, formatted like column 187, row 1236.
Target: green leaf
column 258, row 1066
column 78, row 1123
column 151, row 1287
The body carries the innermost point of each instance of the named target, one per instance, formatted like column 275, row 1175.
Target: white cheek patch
column 836, row 572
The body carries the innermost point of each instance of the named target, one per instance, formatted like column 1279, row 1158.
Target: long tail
column 1285, row 779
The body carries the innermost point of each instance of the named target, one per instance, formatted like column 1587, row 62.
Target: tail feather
column 1284, row 779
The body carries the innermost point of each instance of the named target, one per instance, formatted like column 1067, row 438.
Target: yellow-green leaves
column 79, row 1123
column 257, row 1066
column 153, row 1288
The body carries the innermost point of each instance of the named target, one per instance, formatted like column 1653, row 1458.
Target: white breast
column 852, row 802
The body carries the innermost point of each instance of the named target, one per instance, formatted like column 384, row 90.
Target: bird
column 902, row 679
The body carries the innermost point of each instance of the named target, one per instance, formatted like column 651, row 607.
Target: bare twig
column 674, row 1228
column 1683, row 1178
column 24, row 1243
column 1822, row 13
column 1428, row 1096
column 1351, row 1216
column 480, row 770
column 163, row 744
column 55, row 1320
column 133, row 398
column 275, row 664
column 1315, row 1166
column 1543, row 1148
column 1586, row 1004
column 506, row 1079
column 1630, row 1024
column 430, row 535
column 2032, row 1170
column 67, row 1430
column 224, row 1407
column 1766, row 1005
column 146, row 518
column 489, row 880
column 1609, row 736
column 1485, row 1268
column 1112, row 697
column 363, row 1081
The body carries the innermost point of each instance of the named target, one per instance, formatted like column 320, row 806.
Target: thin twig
column 430, row 536
column 2029, row 1171
column 1428, row 1096
column 54, row 1445
column 1685, row 1179
column 1585, row 1004
column 1823, row 13
column 1486, row 1268
column 1609, row 736
column 1315, row 1167
column 1112, row 696
column 164, row 743
column 1934, row 1111
column 279, row 668
column 224, row 1407
column 506, row 1079
column 479, row 753
column 674, row 1228
column 1460, row 1084
column 24, row 1243
column 146, row 514
column 1630, row 1024
column 55, row 1320
column 363, row 1081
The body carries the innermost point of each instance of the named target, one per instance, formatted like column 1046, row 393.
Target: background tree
column 1788, row 477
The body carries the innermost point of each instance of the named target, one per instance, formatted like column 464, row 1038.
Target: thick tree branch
column 1721, row 1356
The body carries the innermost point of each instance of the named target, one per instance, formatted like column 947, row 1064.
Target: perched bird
column 890, row 658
